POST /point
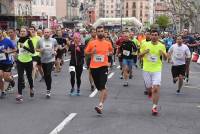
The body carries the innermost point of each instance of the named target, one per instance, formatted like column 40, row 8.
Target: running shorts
column 99, row 76
column 152, row 79
column 178, row 70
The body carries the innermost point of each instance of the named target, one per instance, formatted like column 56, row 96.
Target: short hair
column 99, row 27
column 155, row 31
column 33, row 27
column 11, row 28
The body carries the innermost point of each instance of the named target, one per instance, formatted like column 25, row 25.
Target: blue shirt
column 169, row 42
column 6, row 44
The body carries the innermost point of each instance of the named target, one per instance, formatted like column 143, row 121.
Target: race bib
column 99, row 58
column 47, row 45
column 72, row 69
column 2, row 56
column 22, row 51
column 152, row 58
column 178, row 55
column 126, row 53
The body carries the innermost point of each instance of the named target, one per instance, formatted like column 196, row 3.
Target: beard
column 100, row 36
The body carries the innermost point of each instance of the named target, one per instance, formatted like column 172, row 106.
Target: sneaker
column 121, row 77
column 32, row 93
column 146, row 92
column 178, row 92
column 98, row 109
column 42, row 79
column 130, row 76
column 3, row 95
column 154, row 111
column 48, row 94
column 19, row 98
column 78, row 92
column 92, row 88
column 125, row 84
column 187, row 80
column 174, row 81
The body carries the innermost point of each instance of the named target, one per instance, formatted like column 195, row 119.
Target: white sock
column 154, row 105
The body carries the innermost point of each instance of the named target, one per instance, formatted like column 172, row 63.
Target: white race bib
column 2, row 56
column 22, row 51
column 152, row 58
column 72, row 69
column 99, row 58
column 179, row 55
column 126, row 53
column 47, row 45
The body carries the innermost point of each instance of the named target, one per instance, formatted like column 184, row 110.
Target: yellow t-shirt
column 35, row 41
column 152, row 61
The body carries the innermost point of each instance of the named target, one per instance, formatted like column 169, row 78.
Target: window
column 111, row 6
column 34, row 2
column 127, row 5
column 141, row 13
column 126, row 13
column 134, row 5
column 42, row 2
column 47, row 2
column 134, row 13
column 107, row 11
column 141, row 5
column 52, row 2
column 111, row 11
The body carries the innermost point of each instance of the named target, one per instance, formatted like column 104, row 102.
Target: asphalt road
column 127, row 110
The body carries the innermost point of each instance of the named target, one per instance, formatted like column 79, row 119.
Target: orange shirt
column 103, row 48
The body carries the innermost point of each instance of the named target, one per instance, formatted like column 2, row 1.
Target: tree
column 163, row 21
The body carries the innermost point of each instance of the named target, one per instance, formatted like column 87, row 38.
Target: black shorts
column 120, row 59
column 6, row 67
column 37, row 59
column 178, row 70
column 99, row 76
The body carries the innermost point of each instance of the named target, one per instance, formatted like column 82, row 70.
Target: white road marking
column 63, row 123
column 118, row 66
column 66, row 60
column 14, row 76
column 93, row 93
column 84, row 68
column 198, row 106
column 111, row 75
column 193, row 87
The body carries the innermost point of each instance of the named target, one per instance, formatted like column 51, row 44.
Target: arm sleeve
column 31, row 47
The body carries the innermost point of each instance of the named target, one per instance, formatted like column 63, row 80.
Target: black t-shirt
column 127, row 48
column 61, row 41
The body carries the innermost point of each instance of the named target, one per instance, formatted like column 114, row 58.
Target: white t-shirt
column 179, row 54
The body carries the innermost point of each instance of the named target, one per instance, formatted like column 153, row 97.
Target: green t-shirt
column 152, row 61
column 24, row 56
column 35, row 41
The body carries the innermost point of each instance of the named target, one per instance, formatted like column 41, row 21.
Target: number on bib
column 2, row 56
column 99, row 58
column 126, row 53
column 152, row 58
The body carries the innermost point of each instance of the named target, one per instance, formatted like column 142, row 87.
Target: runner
column 24, row 63
column 152, row 66
column 114, row 39
column 47, row 47
column 99, row 50
column 179, row 53
column 76, row 63
column 60, row 51
column 36, row 56
column 88, row 58
column 6, row 63
column 127, row 51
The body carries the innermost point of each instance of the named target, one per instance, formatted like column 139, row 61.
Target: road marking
column 63, row 123
column 93, row 93
column 111, row 75
column 198, row 106
column 118, row 66
column 84, row 68
column 66, row 60
column 14, row 76
column 194, row 72
column 193, row 87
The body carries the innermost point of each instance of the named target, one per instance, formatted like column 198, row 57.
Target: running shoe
column 19, row 98
column 98, row 109
column 78, row 93
column 146, row 92
column 125, row 84
column 130, row 76
column 178, row 92
column 174, row 81
column 32, row 93
column 121, row 77
column 154, row 111
column 92, row 88
column 48, row 94
column 72, row 92
column 3, row 95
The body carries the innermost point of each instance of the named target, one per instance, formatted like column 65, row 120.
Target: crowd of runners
column 36, row 53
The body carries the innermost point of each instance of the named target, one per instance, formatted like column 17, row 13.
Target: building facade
column 61, row 9
column 14, row 13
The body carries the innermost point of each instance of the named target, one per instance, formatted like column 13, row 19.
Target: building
column 45, row 12
column 141, row 9
column 61, row 9
column 161, row 7
column 73, row 9
column 15, row 13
